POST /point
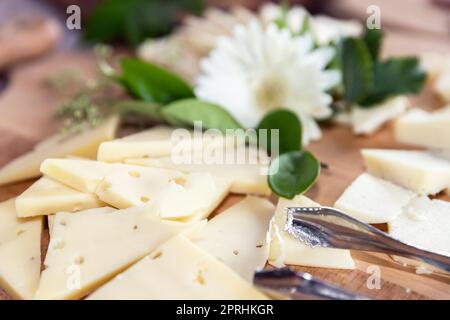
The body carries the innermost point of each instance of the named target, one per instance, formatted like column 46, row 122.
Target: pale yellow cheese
column 175, row 194
column 426, row 129
column 373, row 200
column 424, row 223
column 84, row 144
column 238, row 236
column 79, row 174
column 20, row 252
column 246, row 178
column 178, row 270
column 89, row 247
column 47, row 196
column 295, row 252
column 419, row 171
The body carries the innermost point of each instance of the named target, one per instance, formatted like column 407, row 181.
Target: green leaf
column 290, row 130
column 150, row 82
column 357, row 69
column 373, row 39
column 187, row 111
column 136, row 20
column 293, row 173
column 148, row 109
column 393, row 77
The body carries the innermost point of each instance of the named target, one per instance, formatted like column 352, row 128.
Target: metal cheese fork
column 331, row 228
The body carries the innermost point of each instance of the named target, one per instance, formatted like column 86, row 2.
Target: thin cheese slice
column 175, row 194
column 47, row 196
column 295, row 252
column 79, row 174
column 373, row 200
column 368, row 120
column 159, row 142
column 244, row 178
column 238, row 236
column 88, row 248
column 178, row 270
column 424, row 224
column 431, row 130
column 20, row 252
column 84, row 144
column 420, row 171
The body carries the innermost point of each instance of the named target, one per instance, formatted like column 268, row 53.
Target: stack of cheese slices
column 127, row 222
column 399, row 183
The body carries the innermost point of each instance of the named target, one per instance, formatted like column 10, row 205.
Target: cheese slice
column 431, row 130
column 79, row 174
column 419, row 171
column 244, row 178
column 89, row 247
column 295, row 252
column 47, row 196
column 84, row 144
column 373, row 200
column 369, row 120
column 238, row 236
column 178, row 270
column 159, row 142
column 20, row 252
column 175, row 194
column 424, row 224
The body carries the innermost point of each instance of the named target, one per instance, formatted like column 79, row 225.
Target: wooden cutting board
column 27, row 106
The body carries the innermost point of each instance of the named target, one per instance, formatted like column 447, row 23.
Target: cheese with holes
column 296, row 252
column 175, row 194
column 20, row 252
column 420, row 171
column 238, row 236
column 426, row 129
column 88, row 248
column 424, row 223
column 373, row 200
column 245, row 178
column 369, row 120
column 47, row 196
column 178, row 270
column 84, row 144
column 159, row 142
column 82, row 175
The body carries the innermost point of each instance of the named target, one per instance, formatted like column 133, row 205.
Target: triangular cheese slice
column 88, row 248
column 47, row 196
column 178, row 270
column 84, row 144
column 175, row 194
column 295, row 252
column 20, row 252
column 79, row 174
column 238, row 236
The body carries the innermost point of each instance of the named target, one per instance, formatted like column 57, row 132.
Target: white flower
column 258, row 70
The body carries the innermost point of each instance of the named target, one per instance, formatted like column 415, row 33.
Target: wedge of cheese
column 295, row 252
column 84, row 144
column 20, row 252
column 238, row 236
column 175, row 194
column 178, row 270
column 373, row 200
column 419, row 171
column 244, row 178
column 159, row 142
column 47, row 196
column 79, row 174
column 431, row 130
column 369, row 120
column 424, row 224
column 89, row 247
